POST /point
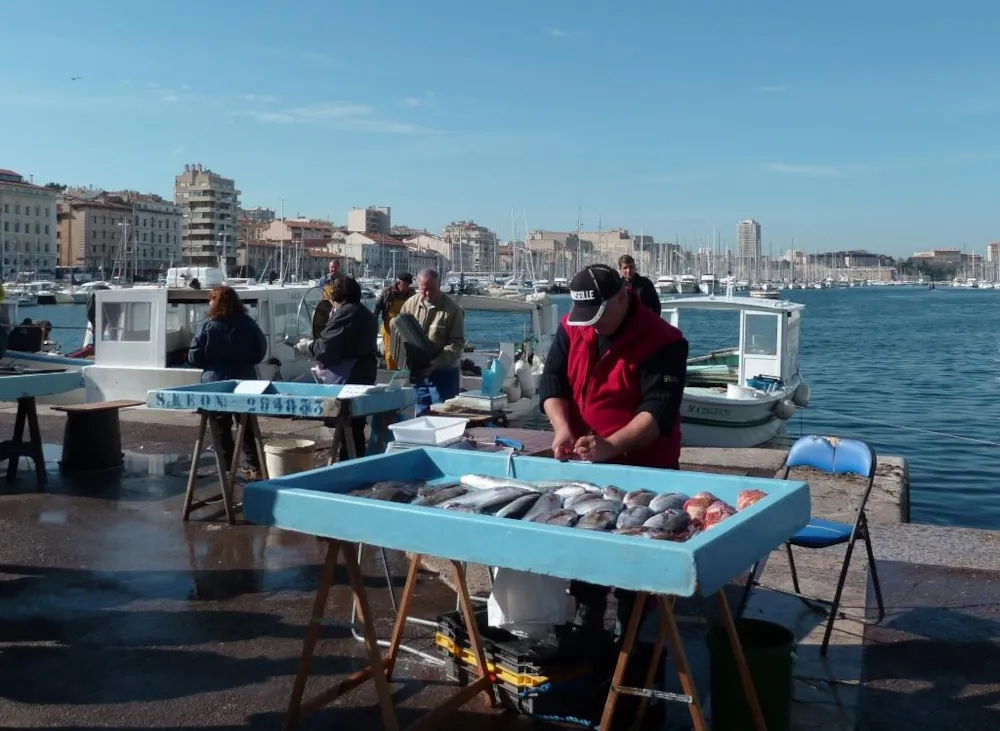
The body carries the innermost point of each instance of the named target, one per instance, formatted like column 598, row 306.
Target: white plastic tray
column 429, row 430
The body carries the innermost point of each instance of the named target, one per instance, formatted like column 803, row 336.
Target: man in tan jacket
column 443, row 321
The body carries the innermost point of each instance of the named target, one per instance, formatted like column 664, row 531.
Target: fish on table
column 563, row 517
column 487, row 482
column 634, row 517
column 431, row 496
column 487, row 500
column 670, row 520
column 519, row 506
column 667, row 501
column 589, row 506
column 597, row 520
column 546, row 503
column 639, row 498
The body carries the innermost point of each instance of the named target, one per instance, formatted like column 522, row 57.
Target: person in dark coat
column 347, row 347
column 639, row 284
column 229, row 345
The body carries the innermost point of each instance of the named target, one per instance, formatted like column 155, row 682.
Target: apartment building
column 298, row 230
column 93, row 224
column 209, row 206
column 27, row 226
column 481, row 243
column 748, row 239
column 371, row 220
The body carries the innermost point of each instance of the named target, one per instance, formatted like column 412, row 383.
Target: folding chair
column 837, row 457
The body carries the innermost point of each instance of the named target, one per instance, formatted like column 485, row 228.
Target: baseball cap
column 590, row 291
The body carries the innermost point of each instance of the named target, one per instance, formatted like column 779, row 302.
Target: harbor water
column 911, row 370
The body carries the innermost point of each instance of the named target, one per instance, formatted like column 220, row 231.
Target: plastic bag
column 527, row 604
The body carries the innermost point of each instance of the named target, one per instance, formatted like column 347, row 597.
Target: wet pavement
column 935, row 660
column 116, row 614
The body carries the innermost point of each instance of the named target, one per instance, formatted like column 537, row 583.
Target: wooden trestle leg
column 741, row 663
column 380, row 669
column 670, row 633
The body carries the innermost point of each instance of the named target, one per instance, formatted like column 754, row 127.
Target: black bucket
column 770, row 654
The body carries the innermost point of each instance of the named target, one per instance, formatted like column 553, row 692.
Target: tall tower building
column 209, row 206
column 748, row 239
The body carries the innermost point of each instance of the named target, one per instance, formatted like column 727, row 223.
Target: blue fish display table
column 317, row 503
column 25, row 388
column 314, row 401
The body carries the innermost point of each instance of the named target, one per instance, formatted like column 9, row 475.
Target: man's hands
column 591, row 448
column 302, row 347
column 563, row 443
column 595, row 449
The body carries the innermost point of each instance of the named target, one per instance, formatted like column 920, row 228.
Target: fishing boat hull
column 717, row 421
column 103, row 383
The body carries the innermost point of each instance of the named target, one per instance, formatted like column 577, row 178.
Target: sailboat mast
column 281, row 246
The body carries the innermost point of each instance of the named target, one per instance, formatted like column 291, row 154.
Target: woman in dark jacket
column 229, row 345
column 347, row 348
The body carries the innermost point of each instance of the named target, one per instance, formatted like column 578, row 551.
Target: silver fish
column 559, row 484
column 634, row 517
column 565, row 518
column 486, row 482
column 518, row 506
column 486, row 500
column 589, row 506
column 597, row 520
column 393, row 492
column 667, row 501
column 638, row 497
column 670, row 521
column 613, row 493
column 429, row 497
column 545, row 504
column 582, row 497
column 568, row 491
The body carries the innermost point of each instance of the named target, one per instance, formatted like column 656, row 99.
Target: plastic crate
column 520, row 663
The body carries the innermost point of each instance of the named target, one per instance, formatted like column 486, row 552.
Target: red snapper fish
column 696, row 506
column 748, row 498
column 717, row 512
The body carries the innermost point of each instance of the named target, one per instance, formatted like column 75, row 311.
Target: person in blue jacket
column 229, row 345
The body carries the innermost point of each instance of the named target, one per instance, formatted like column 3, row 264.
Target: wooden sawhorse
column 380, row 669
column 13, row 449
column 227, row 473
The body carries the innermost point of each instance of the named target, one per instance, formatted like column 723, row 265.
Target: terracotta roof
column 8, row 172
column 383, row 239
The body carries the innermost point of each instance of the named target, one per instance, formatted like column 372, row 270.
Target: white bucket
column 288, row 456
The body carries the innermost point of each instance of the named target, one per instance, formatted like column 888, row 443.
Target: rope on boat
column 931, row 432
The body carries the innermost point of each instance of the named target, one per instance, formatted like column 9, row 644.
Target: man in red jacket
column 612, row 389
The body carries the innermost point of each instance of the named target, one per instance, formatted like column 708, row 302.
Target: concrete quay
column 115, row 614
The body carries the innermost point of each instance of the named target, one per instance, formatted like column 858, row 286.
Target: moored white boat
column 141, row 337
column 742, row 396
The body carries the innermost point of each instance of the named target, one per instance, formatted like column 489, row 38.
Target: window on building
column 93, row 234
column 6, row 225
column 38, row 211
column 95, row 219
column 46, row 229
column 38, row 228
column 46, row 248
column 17, row 227
column 17, row 208
column 46, row 212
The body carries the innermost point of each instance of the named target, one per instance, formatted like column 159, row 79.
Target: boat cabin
column 767, row 355
column 142, row 336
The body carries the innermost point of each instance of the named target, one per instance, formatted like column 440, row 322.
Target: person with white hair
column 443, row 321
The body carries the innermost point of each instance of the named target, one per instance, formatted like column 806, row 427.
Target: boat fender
column 801, row 395
column 525, row 380
column 784, row 409
column 513, row 392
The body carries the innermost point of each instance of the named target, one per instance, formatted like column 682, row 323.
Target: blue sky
column 848, row 124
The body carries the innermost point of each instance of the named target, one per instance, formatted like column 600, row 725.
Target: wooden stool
column 92, row 439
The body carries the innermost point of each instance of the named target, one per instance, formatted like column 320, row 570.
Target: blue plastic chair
column 838, row 457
